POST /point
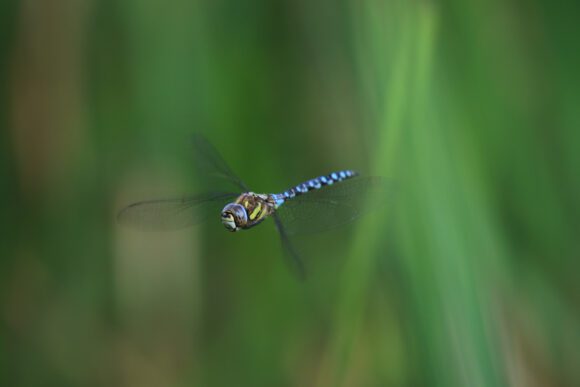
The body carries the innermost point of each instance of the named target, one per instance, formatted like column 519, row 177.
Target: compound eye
column 234, row 216
column 241, row 216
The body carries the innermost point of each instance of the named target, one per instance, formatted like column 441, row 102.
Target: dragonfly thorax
column 248, row 210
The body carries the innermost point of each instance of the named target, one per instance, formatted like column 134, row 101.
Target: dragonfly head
column 234, row 216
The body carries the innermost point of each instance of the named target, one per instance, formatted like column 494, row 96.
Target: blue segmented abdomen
column 313, row 184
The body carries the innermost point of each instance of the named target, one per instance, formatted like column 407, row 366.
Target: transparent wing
column 173, row 214
column 333, row 206
column 292, row 257
column 211, row 164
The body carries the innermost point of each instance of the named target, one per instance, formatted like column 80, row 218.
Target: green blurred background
column 470, row 278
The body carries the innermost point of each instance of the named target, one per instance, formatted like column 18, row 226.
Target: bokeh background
column 469, row 277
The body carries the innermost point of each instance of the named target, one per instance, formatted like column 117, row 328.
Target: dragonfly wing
column 211, row 164
column 173, row 214
column 333, row 206
column 292, row 257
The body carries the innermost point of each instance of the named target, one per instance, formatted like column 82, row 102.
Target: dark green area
column 467, row 277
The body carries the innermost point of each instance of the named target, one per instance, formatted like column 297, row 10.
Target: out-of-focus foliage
column 469, row 278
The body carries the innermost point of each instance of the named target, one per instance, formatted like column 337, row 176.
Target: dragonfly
column 316, row 205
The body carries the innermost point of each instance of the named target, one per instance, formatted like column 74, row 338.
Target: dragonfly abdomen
column 314, row 184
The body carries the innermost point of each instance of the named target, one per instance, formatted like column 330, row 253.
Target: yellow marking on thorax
column 256, row 211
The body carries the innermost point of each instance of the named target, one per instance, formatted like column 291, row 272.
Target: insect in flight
column 316, row 205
